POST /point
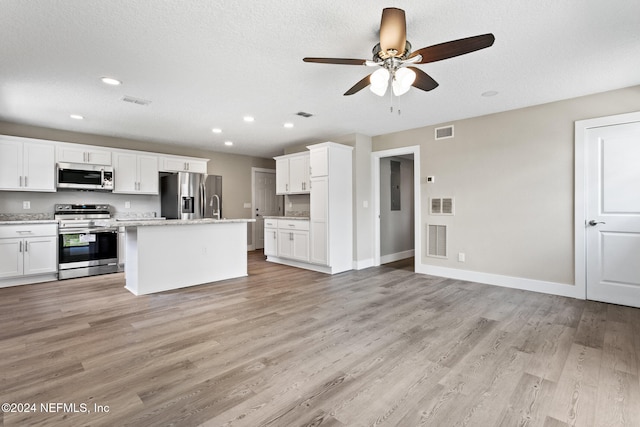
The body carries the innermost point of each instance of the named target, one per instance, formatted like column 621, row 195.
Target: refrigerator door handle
column 202, row 200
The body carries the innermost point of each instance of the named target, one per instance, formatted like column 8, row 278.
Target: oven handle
column 87, row 230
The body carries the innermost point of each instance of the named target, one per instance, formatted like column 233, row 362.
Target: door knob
column 593, row 222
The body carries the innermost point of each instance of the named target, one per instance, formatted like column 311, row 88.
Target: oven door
column 87, row 247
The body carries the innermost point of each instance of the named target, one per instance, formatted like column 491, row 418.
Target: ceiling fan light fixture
column 402, row 81
column 379, row 81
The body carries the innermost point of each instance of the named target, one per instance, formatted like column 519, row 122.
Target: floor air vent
column 444, row 132
column 437, row 240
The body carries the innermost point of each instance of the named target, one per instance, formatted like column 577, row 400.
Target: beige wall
column 511, row 174
column 235, row 169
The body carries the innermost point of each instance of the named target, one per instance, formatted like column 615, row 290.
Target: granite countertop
column 160, row 222
column 28, row 218
column 301, row 218
column 28, row 221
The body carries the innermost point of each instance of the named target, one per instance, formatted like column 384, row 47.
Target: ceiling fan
column 394, row 57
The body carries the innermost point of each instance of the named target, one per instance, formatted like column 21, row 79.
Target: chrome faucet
column 217, row 211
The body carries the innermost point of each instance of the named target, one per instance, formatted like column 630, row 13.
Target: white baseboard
column 541, row 286
column 364, row 263
column 397, row 256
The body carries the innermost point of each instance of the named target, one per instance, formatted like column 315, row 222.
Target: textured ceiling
column 206, row 64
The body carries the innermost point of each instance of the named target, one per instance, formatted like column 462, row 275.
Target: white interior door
column 613, row 214
column 266, row 203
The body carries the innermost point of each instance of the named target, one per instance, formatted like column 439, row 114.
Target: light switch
column 26, row 204
column 247, row 205
column 127, row 205
column 365, row 203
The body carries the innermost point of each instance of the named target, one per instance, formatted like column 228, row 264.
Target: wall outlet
column 461, row 257
column 26, row 204
column 127, row 205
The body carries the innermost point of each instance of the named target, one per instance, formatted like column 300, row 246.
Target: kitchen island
column 169, row 254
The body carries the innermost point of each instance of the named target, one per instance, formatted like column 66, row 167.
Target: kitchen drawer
column 293, row 224
column 28, row 230
column 270, row 223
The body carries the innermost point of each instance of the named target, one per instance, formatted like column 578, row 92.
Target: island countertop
column 160, row 222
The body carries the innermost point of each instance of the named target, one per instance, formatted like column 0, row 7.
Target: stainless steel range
column 85, row 249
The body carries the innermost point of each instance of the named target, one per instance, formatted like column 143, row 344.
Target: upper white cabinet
column 319, row 162
column 87, row 154
column 26, row 165
column 135, row 172
column 292, row 174
column 183, row 164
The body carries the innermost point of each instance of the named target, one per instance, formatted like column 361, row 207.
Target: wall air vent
column 444, row 132
column 303, row 114
column 437, row 240
column 136, row 101
column 442, row 206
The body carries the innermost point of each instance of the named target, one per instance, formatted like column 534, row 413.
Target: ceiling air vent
column 303, row 114
column 136, row 101
column 444, row 132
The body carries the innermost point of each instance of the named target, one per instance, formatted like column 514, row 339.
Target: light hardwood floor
column 289, row 347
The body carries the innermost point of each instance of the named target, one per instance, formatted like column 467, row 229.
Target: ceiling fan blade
column 358, row 86
column 453, row 48
column 423, row 80
column 393, row 32
column 340, row 61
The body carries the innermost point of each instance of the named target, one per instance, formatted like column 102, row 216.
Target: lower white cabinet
column 271, row 237
column 27, row 250
column 287, row 239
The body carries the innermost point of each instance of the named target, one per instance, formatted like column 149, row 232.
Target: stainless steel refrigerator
column 186, row 195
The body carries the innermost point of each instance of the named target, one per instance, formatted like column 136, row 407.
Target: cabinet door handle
column 286, row 187
column 26, row 246
column 20, row 180
column 25, row 181
column 20, row 249
column 290, row 236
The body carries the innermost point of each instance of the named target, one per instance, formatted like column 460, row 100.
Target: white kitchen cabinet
column 319, row 162
column 293, row 239
column 331, row 207
column 26, row 165
column 292, row 174
column 84, row 154
column 271, row 237
column 27, row 251
column 318, row 221
column 135, row 173
column 183, row 164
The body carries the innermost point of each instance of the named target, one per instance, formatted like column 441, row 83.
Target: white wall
column 396, row 227
column 511, row 174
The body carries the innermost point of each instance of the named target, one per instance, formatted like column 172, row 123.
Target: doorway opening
column 396, row 181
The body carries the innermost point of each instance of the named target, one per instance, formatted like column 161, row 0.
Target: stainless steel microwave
column 85, row 177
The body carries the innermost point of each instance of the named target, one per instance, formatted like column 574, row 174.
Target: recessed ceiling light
column 216, row 130
column 288, row 125
column 489, row 93
column 111, row 81
column 248, row 118
column 76, row 116
column 228, row 143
